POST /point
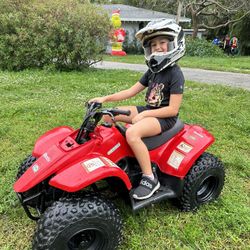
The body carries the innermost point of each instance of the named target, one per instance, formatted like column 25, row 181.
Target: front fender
column 89, row 170
column 50, row 138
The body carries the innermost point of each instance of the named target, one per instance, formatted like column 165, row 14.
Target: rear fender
column 181, row 153
column 50, row 138
column 91, row 169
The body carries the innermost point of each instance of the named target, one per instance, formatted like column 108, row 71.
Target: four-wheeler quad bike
column 68, row 181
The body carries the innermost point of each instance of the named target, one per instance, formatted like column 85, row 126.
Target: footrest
column 161, row 194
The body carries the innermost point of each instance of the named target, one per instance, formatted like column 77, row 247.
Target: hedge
column 67, row 34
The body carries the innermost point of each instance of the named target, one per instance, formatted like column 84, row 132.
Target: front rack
column 40, row 196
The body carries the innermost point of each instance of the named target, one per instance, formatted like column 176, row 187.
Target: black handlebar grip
column 126, row 112
column 121, row 112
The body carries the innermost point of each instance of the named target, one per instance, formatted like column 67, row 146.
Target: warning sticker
column 111, row 163
column 175, row 159
column 93, row 164
column 200, row 135
column 185, row 147
column 192, row 137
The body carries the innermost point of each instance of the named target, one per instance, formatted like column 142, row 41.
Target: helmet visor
column 153, row 48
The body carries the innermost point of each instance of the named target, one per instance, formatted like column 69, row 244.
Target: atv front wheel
column 27, row 162
column 203, row 183
column 79, row 223
column 35, row 197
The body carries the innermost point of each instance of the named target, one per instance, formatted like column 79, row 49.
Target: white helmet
column 158, row 61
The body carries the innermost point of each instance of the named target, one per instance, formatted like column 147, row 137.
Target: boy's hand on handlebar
column 97, row 99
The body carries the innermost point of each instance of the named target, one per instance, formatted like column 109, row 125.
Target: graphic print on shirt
column 155, row 96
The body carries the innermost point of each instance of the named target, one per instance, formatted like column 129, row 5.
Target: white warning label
column 93, row 164
column 185, row 147
column 112, row 164
column 175, row 159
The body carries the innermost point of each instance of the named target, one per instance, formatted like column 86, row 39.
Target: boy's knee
column 131, row 135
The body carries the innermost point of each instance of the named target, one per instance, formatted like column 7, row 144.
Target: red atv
column 69, row 179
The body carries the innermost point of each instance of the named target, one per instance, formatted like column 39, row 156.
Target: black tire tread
column 27, row 162
column 204, row 163
column 69, row 210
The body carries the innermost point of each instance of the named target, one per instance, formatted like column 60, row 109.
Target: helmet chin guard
column 158, row 61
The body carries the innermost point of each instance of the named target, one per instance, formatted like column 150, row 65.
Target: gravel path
column 198, row 75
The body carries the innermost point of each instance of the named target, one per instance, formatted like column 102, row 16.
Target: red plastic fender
column 93, row 168
column 50, row 138
column 178, row 156
column 42, row 168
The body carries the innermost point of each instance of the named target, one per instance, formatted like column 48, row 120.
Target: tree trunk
column 178, row 16
column 195, row 25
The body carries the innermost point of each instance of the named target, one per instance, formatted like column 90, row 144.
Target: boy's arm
column 121, row 95
column 169, row 111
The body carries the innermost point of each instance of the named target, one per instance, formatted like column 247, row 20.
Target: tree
column 214, row 14
column 242, row 31
column 168, row 6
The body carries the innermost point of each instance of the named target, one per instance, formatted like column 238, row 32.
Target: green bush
column 64, row 33
column 202, row 47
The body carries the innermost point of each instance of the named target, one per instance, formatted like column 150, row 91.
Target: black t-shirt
column 161, row 85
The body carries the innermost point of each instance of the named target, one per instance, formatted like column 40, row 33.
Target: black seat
column 157, row 140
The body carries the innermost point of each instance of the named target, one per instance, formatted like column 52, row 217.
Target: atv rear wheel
column 203, row 183
column 79, row 223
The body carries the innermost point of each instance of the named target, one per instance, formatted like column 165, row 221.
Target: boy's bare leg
column 149, row 126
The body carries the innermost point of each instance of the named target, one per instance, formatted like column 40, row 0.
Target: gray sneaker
column 146, row 188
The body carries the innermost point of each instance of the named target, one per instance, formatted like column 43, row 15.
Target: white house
column 134, row 18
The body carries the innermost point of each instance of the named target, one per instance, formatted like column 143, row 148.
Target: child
column 163, row 43
column 227, row 44
column 234, row 45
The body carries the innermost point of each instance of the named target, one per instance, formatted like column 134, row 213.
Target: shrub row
column 66, row 34
column 202, row 48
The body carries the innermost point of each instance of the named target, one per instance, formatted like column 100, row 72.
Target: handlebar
column 93, row 115
column 116, row 111
column 94, row 106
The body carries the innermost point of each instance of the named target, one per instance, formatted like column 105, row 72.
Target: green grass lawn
column 33, row 102
column 238, row 64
